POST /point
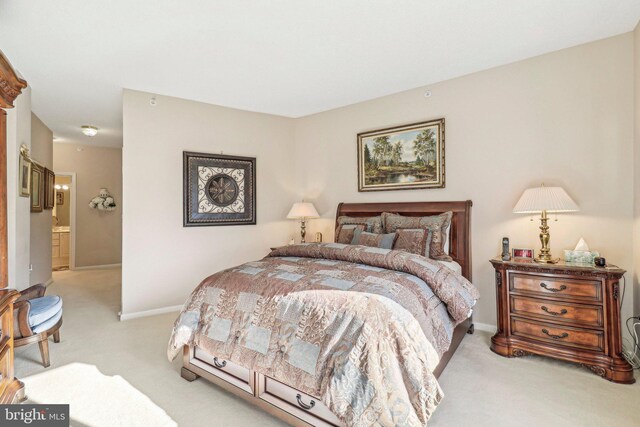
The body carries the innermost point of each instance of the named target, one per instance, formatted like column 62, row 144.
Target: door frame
column 72, row 218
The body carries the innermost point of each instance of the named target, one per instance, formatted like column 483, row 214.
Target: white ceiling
column 287, row 57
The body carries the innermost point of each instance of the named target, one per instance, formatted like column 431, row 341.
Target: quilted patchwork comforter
column 360, row 328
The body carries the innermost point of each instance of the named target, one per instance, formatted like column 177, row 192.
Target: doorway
column 64, row 223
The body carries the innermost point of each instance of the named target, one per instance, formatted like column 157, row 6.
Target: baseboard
column 94, row 267
column 145, row 313
column 485, row 327
column 48, row 282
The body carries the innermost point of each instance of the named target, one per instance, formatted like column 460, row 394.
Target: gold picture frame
column 49, row 187
column 37, row 187
column 24, row 176
column 402, row 157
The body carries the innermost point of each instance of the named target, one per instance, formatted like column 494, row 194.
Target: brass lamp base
column 303, row 230
column 545, row 252
column 546, row 261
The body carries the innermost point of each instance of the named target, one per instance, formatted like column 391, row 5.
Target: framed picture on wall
column 402, row 158
column 59, row 198
column 218, row 189
column 37, row 187
column 49, row 189
column 24, row 176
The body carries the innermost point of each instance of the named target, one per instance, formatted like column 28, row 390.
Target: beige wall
column 18, row 208
column 636, row 168
column 40, row 232
column 98, row 234
column 162, row 261
column 565, row 118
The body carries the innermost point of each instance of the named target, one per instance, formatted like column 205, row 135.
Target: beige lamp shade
column 303, row 210
column 550, row 199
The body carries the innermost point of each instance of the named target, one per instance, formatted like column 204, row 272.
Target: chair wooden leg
column 56, row 336
column 44, row 351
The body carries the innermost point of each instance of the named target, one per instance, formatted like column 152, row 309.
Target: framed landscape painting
column 402, row 158
column 219, row 189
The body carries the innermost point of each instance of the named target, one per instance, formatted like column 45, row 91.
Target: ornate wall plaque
column 219, row 189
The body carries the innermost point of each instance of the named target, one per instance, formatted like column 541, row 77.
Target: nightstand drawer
column 587, row 315
column 570, row 288
column 561, row 335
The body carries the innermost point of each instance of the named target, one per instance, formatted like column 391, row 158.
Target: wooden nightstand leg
column 500, row 346
column 188, row 375
column 618, row 372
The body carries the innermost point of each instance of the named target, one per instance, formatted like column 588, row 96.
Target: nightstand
column 564, row 311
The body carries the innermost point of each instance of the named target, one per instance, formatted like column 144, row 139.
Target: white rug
column 95, row 399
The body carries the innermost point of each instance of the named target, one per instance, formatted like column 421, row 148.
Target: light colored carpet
column 95, row 399
column 481, row 388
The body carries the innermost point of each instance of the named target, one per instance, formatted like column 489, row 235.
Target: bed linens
column 452, row 265
column 368, row 353
column 436, row 225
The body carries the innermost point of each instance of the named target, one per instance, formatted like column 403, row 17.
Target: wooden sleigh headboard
column 459, row 232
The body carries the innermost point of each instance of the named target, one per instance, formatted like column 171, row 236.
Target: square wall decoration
column 218, row 189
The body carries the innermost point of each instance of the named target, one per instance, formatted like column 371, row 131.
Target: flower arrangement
column 103, row 202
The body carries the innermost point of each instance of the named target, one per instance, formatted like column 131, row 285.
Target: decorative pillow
column 384, row 241
column 373, row 223
column 413, row 240
column 344, row 233
column 435, row 224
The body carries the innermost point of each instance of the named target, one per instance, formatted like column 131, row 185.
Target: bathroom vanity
column 60, row 247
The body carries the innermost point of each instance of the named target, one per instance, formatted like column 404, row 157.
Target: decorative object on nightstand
column 318, row 237
column 522, row 254
column 569, row 312
column 545, row 200
column 303, row 211
column 505, row 249
column 581, row 254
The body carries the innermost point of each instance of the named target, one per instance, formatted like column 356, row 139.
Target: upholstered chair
column 37, row 317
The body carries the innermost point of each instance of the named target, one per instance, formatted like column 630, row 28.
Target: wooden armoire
column 11, row 389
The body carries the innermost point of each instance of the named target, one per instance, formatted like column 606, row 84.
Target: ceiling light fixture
column 57, row 186
column 89, row 130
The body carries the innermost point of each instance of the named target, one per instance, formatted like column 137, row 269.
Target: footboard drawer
column 228, row 371
column 303, row 406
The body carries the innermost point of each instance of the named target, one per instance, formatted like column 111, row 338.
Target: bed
column 303, row 377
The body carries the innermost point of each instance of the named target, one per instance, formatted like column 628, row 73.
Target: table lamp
column 543, row 200
column 303, row 211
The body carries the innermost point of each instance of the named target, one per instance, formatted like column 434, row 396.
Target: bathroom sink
column 61, row 229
